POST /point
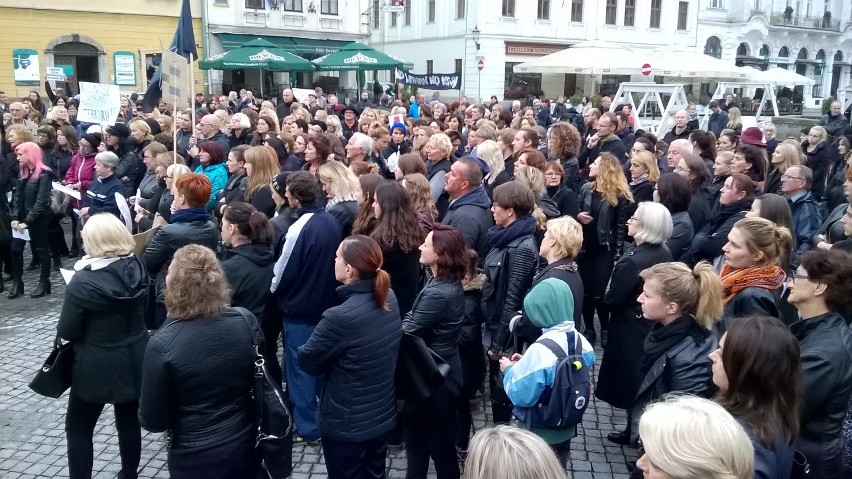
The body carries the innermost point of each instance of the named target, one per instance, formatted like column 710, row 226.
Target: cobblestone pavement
column 32, row 436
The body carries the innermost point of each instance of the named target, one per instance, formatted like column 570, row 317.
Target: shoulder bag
column 274, row 446
column 54, row 376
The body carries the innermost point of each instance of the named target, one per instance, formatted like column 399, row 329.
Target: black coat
column 682, row 233
column 509, row 272
column 565, row 199
column 197, row 379
column 707, row 243
column 819, row 161
column 471, row 215
column 355, row 348
column 103, row 317
column 31, row 198
column 263, row 202
column 404, row 271
column 609, row 226
column 436, row 316
column 618, row 380
column 233, row 192
column 248, row 269
column 825, row 346
column 751, row 301
column 565, row 270
column 685, row 368
column 699, row 209
column 642, row 191
column 345, row 213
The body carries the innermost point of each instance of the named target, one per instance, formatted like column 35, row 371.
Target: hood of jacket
column 257, row 253
column 119, row 280
column 476, row 197
column 475, row 283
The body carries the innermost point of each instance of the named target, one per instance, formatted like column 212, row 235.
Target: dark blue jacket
column 355, row 348
column 100, row 197
column 807, row 219
column 303, row 278
column 471, row 215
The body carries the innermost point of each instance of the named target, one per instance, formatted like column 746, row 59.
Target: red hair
column 364, row 255
column 34, row 158
column 195, row 187
column 452, row 251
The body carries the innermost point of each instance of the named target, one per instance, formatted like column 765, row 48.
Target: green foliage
column 826, row 105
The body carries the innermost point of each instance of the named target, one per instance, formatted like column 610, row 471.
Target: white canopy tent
column 780, row 76
column 691, row 64
column 590, row 58
column 662, row 117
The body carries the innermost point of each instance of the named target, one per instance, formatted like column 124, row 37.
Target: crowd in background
column 710, row 262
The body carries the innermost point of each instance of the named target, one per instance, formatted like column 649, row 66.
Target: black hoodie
column 248, row 268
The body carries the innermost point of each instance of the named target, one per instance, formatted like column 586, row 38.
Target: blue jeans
column 302, row 387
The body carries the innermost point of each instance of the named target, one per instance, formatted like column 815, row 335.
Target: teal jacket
column 218, row 176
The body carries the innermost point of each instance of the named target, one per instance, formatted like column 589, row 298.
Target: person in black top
column 247, row 260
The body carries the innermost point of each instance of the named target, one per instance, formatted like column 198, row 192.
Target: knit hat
column 279, row 183
column 752, row 136
column 93, row 139
column 119, row 129
column 400, row 126
column 549, row 303
column 153, row 125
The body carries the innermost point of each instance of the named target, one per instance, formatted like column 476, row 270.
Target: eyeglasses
column 796, row 276
column 788, row 177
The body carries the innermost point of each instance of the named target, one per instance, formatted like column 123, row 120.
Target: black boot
column 34, row 264
column 57, row 263
column 17, row 289
column 622, row 437
column 17, row 273
column 42, row 289
column 604, row 337
column 44, row 279
column 2, row 285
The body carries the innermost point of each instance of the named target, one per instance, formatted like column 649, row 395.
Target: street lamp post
column 475, row 33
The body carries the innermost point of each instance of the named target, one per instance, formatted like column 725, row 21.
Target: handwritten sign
column 55, row 74
column 99, row 103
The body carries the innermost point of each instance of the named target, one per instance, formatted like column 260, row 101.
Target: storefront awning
column 299, row 46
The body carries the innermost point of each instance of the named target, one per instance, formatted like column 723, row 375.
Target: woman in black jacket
column 758, row 372
column 644, row 174
column 261, row 168
column 683, row 303
column 819, row 155
column 398, row 233
column 31, row 214
column 150, row 188
column 605, row 205
column 355, row 348
column 436, row 316
column 618, row 381
column 692, row 168
column 674, row 193
column 558, row 192
column 341, row 188
column 103, row 318
column 509, row 269
column 235, row 188
column 198, row 374
column 247, row 260
column 190, row 224
column 822, row 286
column 564, row 143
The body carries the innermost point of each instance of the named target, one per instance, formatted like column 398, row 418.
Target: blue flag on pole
column 183, row 44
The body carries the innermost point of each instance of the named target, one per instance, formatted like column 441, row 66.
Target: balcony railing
column 800, row 21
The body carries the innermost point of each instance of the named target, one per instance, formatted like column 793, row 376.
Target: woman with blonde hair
column 605, row 205
column 333, row 125
column 644, row 174
column 489, row 152
column 819, row 154
column 693, row 438
column 171, row 174
column 421, row 199
column 197, row 375
column 735, row 120
column 436, row 154
column 166, row 124
column 753, row 276
column 261, row 166
column 342, row 189
column 784, row 156
column 507, row 452
column 683, row 304
column 103, row 318
column 545, row 208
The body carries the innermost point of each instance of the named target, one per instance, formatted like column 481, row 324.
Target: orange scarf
column 736, row 280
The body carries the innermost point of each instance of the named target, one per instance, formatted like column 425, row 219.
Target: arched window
column 713, row 47
column 743, row 50
column 765, row 51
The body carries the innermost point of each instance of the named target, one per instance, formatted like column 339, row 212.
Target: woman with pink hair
column 31, row 214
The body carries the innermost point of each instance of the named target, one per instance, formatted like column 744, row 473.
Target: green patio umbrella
column 259, row 54
column 361, row 58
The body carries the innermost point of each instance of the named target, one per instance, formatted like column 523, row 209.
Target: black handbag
column 54, row 376
column 274, row 446
column 420, row 372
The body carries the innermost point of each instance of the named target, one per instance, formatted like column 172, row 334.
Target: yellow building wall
column 114, row 32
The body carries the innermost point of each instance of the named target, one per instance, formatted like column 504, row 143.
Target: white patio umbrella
column 780, row 76
column 692, row 64
column 592, row 57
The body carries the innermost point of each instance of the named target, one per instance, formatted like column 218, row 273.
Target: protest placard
column 99, row 103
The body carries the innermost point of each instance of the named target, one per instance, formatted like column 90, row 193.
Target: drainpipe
column 204, row 45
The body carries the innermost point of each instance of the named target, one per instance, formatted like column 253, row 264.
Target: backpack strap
column 554, row 348
column 573, row 343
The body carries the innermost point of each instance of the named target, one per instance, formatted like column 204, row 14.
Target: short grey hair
column 108, row 159
column 362, row 141
column 245, row 123
column 655, row 223
column 805, row 173
column 685, row 146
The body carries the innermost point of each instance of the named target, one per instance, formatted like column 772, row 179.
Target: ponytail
column 364, row 255
column 250, row 223
column 710, row 295
column 381, row 288
column 540, row 219
column 763, row 236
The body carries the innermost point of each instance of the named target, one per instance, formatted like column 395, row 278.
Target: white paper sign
column 23, row 235
column 99, row 103
column 67, row 190
column 55, row 74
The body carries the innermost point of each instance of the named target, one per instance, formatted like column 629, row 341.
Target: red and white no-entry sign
column 646, row 69
column 480, row 64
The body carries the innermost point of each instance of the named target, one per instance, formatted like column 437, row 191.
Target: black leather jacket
column 609, row 228
column 197, row 379
column 31, row 199
column 825, row 345
column 751, row 301
column 168, row 239
column 436, row 316
column 509, row 272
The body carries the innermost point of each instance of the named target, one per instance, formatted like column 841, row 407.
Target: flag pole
column 174, row 122
column 192, row 90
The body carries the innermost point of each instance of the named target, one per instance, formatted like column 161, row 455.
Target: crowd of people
column 711, row 264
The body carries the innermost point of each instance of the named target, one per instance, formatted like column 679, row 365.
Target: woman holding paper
column 30, row 215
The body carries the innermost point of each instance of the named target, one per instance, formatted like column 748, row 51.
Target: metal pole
column 479, row 86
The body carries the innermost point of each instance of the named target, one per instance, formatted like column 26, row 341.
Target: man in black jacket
column 796, row 185
column 470, row 206
column 603, row 141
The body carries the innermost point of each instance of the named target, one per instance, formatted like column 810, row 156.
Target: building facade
column 438, row 37
column 93, row 41
column 308, row 28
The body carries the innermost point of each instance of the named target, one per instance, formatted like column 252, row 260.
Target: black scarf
column 663, row 338
column 498, row 236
